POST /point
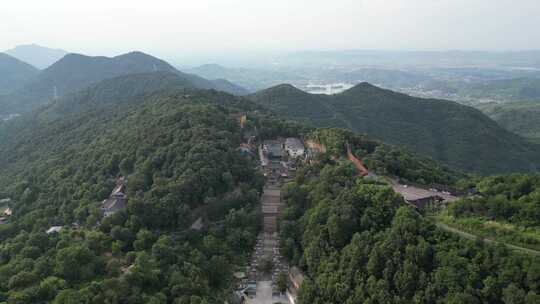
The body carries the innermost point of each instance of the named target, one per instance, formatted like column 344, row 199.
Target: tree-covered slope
column 110, row 92
column 75, row 72
column 356, row 242
column 115, row 91
column 382, row 159
column 454, row 134
column 227, row 86
column 506, row 209
column 522, row 118
column 14, row 73
column 178, row 151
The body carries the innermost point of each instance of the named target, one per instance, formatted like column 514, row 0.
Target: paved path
column 264, row 295
column 473, row 237
column 268, row 243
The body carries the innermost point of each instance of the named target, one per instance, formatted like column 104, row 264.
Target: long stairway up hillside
column 271, row 207
column 267, row 249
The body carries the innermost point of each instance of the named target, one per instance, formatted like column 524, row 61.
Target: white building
column 294, row 147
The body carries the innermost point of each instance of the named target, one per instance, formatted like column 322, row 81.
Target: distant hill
column 522, row 118
column 472, row 89
column 251, row 79
column 14, row 73
column 393, row 58
column 385, row 77
column 75, row 72
column 457, row 135
column 227, row 86
column 38, row 56
column 517, row 89
column 114, row 91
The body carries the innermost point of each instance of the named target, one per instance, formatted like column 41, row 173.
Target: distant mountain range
column 75, row 72
column 179, row 152
column 457, row 135
column 410, row 58
column 454, row 134
column 516, row 89
column 39, row 56
column 249, row 78
column 465, row 85
column 14, row 73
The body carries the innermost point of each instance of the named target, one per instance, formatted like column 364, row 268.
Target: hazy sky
column 195, row 27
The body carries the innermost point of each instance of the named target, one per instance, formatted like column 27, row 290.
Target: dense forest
column 358, row 243
column 178, row 149
column 179, row 154
column 385, row 160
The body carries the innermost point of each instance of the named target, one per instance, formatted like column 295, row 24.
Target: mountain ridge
column 75, row 72
column 457, row 135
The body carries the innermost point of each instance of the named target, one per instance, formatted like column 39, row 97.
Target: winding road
column 411, row 193
column 473, row 237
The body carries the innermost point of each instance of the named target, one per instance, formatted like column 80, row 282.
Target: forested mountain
column 14, row 73
column 36, row 55
column 179, row 153
column 114, row 91
column 227, row 86
column 454, row 134
column 178, row 150
column 75, row 72
column 522, row 118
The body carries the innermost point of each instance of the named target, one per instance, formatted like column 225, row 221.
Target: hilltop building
column 294, row 147
column 273, row 149
column 418, row 197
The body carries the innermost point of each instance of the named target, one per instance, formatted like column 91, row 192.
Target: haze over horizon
column 215, row 29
